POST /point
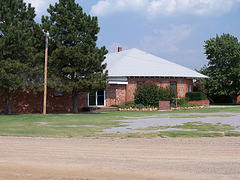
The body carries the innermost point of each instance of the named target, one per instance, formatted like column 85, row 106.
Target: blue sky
column 171, row 29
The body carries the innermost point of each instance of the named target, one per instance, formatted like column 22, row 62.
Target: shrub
column 195, row 96
column 193, row 105
column 183, row 102
column 130, row 104
column 167, row 94
column 140, row 106
column 149, row 94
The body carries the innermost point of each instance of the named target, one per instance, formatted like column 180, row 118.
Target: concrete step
column 103, row 109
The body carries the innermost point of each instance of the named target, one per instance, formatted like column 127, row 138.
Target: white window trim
column 190, row 88
column 96, row 100
column 116, row 82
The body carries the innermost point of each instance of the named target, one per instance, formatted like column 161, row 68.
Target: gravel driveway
column 132, row 124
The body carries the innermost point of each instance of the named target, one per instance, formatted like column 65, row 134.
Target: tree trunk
column 8, row 102
column 74, row 102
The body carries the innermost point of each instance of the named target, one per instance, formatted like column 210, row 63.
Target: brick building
column 126, row 70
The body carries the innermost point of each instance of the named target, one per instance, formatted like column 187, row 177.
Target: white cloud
column 40, row 5
column 104, row 7
column 153, row 8
column 164, row 7
column 166, row 40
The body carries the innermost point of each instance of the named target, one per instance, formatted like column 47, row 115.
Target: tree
column 20, row 46
column 76, row 63
column 223, row 67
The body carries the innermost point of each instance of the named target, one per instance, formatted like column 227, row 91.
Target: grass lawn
column 90, row 125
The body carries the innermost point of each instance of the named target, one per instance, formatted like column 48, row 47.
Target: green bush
column 130, row 104
column 167, row 94
column 115, row 106
column 140, row 106
column 195, row 96
column 149, row 94
column 193, row 105
column 183, row 102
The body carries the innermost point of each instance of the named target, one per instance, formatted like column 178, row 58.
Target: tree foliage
column 76, row 63
column 149, row 94
column 223, row 67
column 195, row 96
column 20, row 42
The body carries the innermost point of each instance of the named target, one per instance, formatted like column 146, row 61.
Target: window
column 92, row 99
column 189, row 88
column 58, row 93
column 96, row 98
column 173, row 85
column 165, row 84
column 100, row 98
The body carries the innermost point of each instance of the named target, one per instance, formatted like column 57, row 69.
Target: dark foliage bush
column 130, row 104
column 223, row 99
column 195, row 96
column 149, row 94
column 117, row 106
column 140, row 106
column 183, row 102
column 167, row 94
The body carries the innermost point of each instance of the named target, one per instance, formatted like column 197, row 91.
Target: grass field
column 90, row 125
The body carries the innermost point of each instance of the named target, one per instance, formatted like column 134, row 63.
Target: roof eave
column 191, row 77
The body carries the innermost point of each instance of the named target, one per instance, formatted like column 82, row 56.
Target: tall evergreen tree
column 223, row 53
column 20, row 39
column 76, row 63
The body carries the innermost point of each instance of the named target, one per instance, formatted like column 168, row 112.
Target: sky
column 171, row 29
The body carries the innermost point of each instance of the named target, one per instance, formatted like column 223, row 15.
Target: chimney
column 119, row 49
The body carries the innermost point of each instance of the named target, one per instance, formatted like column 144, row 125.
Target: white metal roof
column 134, row 62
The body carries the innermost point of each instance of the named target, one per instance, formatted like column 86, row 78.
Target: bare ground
column 107, row 159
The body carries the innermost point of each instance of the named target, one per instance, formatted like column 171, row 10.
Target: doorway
column 96, row 99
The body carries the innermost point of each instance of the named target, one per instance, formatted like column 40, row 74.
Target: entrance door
column 96, row 99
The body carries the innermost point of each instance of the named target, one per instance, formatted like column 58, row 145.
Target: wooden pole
column 45, row 77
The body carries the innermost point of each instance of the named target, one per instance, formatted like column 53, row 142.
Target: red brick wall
column 115, row 95
column 182, row 85
column 164, row 105
column 28, row 102
column 131, row 89
column 238, row 99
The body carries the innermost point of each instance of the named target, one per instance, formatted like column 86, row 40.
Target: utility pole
column 45, row 77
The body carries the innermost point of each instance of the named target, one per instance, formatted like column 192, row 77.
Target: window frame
column 96, row 99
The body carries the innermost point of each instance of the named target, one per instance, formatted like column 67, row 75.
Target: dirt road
column 161, row 158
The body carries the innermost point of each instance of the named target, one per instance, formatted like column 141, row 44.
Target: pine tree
column 76, row 63
column 20, row 46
